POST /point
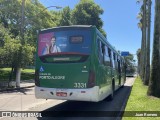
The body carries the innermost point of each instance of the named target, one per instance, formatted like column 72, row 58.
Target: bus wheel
column 122, row 86
column 111, row 96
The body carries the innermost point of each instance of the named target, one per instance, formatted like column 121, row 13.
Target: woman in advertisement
column 52, row 48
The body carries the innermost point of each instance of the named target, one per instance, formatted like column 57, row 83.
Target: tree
column 138, row 57
column 139, row 51
column 130, row 62
column 10, row 50
column 36, row 17
column 129, row 59
column 144, row 24
column 154, row 82
column 65, row 17
column 23, row 32
column 147, row 66
column 143, row 57
column 88, row 13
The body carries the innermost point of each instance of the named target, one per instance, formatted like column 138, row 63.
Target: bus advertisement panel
column 64, row 42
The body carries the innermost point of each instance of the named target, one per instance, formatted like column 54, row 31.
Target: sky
column 120, row 21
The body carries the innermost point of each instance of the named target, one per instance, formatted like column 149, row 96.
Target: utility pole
column 18, row 72
column 22, row 22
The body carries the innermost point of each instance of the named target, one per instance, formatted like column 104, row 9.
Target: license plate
column 61, row 94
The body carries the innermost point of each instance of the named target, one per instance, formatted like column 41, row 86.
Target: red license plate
column 62, row 94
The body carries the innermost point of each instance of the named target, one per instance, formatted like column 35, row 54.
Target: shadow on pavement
column 90, row 110
column 22, row 90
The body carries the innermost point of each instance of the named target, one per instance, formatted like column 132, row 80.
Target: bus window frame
column 112, row 59
column 110, row 56
column 100, row 50
column 108, row 60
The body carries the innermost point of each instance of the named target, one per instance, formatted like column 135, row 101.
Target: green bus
column 77, row 63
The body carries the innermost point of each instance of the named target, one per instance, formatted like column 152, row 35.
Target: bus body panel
column 64, row 75
column 94, row 94
column 90, row 94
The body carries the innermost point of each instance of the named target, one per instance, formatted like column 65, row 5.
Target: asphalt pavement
column 24, row 100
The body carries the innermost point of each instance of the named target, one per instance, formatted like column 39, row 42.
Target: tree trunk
column 138, row 56
column 18, row 77
column 18, row 72
column 144, row 41
column 141, row 57
column 154, row 83
column 147, row 70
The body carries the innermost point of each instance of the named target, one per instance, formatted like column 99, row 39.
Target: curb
column 12, row 89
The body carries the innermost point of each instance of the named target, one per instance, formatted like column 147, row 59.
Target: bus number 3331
column 79, row 85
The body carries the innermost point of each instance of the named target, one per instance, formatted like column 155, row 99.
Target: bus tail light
column 91, row 79
column 37, row 82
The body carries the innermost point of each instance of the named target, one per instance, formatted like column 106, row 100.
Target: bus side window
column 103, row 52
column 112, row 59
column 119, row 66
column 122, row 65
column 100, row 51
column 107, row 58
column 115, row 60
column 110, row 56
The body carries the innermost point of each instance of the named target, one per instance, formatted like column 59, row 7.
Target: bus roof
column 71, row 26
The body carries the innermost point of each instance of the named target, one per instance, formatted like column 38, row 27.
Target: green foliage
column 36, row 17
column 10, row 16
column 56, row 17
column 138, row 57
column 9, row 52
column 154, row 83
column 11, row 48
column 129, row 59
column 65, row 17
column 87, row 13
column 17, row 50
column 23, row 70
column 130, row 63
column 4, row 75
column 27, row 53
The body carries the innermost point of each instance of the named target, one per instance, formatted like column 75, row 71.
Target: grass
column 22, row 70
column 27, row 74
column 139, row 101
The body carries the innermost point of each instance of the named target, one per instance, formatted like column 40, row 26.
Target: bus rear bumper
column 89, row 94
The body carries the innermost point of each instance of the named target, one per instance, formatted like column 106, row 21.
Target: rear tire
column 122, row 86
column 111, row 96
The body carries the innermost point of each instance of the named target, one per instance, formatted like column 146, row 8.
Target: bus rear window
column 64, row 42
